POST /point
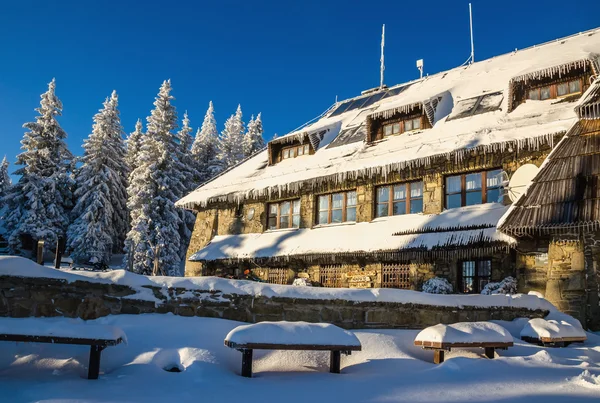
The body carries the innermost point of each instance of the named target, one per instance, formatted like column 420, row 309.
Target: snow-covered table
column 34, row 330
column 442, row 338
column 292, row 336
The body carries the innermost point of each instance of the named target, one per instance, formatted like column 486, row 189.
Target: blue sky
column 287, row 60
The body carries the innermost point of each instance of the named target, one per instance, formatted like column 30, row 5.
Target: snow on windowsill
column 337, row 224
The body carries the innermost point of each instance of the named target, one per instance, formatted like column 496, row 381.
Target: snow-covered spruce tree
column 154, row 187
column 100, row 217
column 253, row 139
column 205, row 148
column 5, row 182
column 39, row 202
column 133, row 144
column 231, row 148
column 187, row 167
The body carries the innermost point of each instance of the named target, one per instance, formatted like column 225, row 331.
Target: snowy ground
column 389, row 369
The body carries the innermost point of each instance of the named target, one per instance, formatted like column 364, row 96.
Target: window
column 469, row 189
column 337, row 207
column 395, row 276
column 295, row 151
column 331, row 276
column 285, row 214
column 277, row 276
column 405, row 198
column 474, row 275
column 555, row 90
column 401, row 127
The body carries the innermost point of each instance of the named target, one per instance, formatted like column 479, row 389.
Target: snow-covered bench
column 556, row 330
column 33, row 330
column 292, row 336
column 442, row 338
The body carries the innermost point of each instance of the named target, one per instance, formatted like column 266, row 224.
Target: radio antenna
column 471, row 27
column 382, row 67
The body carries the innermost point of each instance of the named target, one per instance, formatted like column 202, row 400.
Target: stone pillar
column 566, row 285
column 433, row 199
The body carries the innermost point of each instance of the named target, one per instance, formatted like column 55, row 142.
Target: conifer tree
column 133, row 143
column 231, row 148
column 5, row 182
column 39, row 202
column 154, row 186
column 205, row 148
column 100, row 214
column 187, row 167
column 253, row 140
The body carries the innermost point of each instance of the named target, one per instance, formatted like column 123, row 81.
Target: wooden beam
column 247, row 363
column 335, row 362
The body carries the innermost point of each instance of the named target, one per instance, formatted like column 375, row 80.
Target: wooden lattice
column 395, row 276
column 331, row 276
column 277, row 276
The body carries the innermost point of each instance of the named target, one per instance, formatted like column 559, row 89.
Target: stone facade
column 24, row 297
column 251, row 217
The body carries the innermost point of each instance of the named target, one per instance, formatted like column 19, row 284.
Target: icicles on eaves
column 551, row 72
column 283, row 190
column 400, row 109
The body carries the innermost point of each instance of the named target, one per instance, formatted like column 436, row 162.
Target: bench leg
column 247, row 363
column 438, row 356
column 489, row 352
column 94, row 363
column 335, row 360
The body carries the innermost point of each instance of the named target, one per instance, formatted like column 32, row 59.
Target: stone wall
column 24, row 297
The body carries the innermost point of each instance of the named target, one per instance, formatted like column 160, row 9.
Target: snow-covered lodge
column 400, row 184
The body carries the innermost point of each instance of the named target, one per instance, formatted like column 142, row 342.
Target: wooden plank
column 549, row 340
column 59, row 340
column 445, row 345
column 275, row 346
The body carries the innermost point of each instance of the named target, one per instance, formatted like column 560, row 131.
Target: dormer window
column 553, row 91
column 401, row 127
column 295, row 151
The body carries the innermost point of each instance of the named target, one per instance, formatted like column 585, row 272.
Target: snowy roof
column 528, row 125
column 412, row 232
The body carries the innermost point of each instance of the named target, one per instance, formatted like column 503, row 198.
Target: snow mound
column 587, row 379
column 301, row 333
column 60, row 327
column 465, row 332
column 556, row 325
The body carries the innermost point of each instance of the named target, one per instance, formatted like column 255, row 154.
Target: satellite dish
column 520, row 181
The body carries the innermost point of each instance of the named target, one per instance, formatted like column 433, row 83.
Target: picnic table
column 292, row 336
column 36, row 330
column 441, row 338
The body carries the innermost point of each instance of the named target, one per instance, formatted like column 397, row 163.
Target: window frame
column 293, row 151
column 463, row 187
column 290, row 215
column 553, row 89
column 390, row 201
column 330, row 207
column 401, row 126
column 476, row 277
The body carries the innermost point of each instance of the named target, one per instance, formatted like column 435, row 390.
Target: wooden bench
column 309, row 336
column 553, row 341
column 442, row 338
column 440, row 348
column 107, row 336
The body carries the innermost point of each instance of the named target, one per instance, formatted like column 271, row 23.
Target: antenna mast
column 382, row 68
column 471, row 26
